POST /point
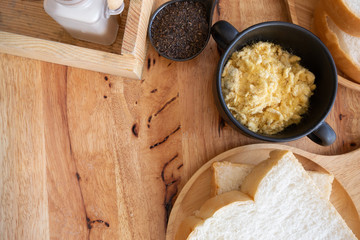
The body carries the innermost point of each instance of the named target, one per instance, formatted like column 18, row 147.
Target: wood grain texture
column 291, row 7
column 69, row 55
column 96, row 161
column 23, row 196
column 134, row 41
column 116, row 151
column 67, row 217
column 301, row 13
column 26, row 30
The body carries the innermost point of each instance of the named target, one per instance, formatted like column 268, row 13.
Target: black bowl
column 314, row 56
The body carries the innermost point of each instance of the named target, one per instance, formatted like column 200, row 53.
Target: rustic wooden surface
column 198, row 189
column 86, row 155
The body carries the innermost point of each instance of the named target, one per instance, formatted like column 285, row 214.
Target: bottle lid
column 114, row 8
column 115, row 4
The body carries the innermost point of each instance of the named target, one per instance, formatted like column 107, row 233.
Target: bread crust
column 214, row 185
column 187, row 226
column 215, row 203
column 342, row 59
column 208, row 209
column 342, row 15
column 252, row 181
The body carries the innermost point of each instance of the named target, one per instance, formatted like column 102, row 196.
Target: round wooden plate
column 344, row 167
column 348, row 83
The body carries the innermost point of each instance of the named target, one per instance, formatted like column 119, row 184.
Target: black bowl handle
column 323, row 135
column 223, row 33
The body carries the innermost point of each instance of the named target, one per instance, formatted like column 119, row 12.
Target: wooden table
column 86, row 155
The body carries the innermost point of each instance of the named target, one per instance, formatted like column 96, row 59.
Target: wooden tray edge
column 66, row 54
column 129, row 63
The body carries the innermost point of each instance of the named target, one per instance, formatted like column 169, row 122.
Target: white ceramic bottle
column 89, row 20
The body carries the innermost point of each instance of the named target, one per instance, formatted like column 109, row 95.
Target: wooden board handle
column 290, row 4
column 346, row 169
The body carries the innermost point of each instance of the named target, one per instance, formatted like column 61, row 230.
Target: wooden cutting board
column 345, row 194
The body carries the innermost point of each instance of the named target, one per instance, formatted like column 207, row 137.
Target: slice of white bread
column 228, row 176
column 279, row 201
column 344, row 48
column 345, row 13
column 323, row 181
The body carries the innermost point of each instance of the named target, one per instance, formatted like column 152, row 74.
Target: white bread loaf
column 228, row 176
column 345, row 14
column 344, row 48
column 280, row 201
